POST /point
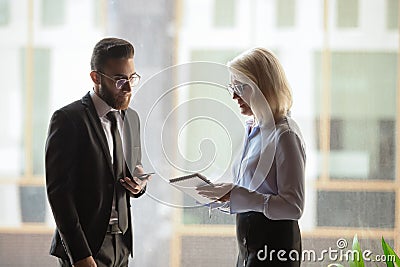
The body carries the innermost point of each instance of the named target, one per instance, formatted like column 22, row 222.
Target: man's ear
column 95, row 77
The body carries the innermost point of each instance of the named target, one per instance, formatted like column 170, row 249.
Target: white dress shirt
column 281, row 194
column 102, row 108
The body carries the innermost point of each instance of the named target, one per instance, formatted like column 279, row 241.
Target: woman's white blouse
column 281, row 195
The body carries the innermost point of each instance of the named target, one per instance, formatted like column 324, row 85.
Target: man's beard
column 118, row 101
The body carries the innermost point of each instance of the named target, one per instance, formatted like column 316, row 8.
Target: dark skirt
column 265, row 242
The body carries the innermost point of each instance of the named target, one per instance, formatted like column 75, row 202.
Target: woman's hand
column 217, row 192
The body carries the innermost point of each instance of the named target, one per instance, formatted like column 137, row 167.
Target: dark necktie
column 119, row 172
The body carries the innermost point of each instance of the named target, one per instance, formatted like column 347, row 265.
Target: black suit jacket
column 80, row 179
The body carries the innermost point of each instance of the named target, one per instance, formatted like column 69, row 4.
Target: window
column 99, row 11
column 347, row 13
column 208, row 251
column 224, row 13
column 53, row 12
column 4, row 12
column 40, row 106
column 392, row 18
column 355, row 209
column 363, row 108
column 286, row 13
column 345, row 95
column 33, row 204
column 209, row 129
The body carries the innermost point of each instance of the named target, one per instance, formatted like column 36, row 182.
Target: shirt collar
column 252, row 122
column 102, row 108
column 253, row 126
column 249, row 122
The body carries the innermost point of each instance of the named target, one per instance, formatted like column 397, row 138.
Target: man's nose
column 126, row 87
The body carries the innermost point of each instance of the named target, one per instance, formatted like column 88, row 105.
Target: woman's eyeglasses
column 119, row 83
column 236, row 89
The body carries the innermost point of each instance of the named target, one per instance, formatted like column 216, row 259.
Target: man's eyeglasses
column 119, row 83
column 236, row 89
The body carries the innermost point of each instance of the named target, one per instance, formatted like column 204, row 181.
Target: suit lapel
column 96, row 125
column 127, row 144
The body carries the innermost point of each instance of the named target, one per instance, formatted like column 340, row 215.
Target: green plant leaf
column 389, row 252
column 358, row 261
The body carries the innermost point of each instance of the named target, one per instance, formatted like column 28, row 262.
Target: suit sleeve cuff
column 76, row 247
column 141, row 193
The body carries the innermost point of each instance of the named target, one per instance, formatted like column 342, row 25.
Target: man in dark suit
column 93, row 159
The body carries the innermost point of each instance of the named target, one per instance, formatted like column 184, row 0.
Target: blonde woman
column 267, row 195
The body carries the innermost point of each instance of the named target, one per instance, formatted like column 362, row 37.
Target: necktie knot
column 112, row 116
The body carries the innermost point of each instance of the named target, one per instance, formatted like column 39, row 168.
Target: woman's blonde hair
column 263, row 68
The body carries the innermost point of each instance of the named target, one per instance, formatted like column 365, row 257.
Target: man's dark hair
column 110, row 48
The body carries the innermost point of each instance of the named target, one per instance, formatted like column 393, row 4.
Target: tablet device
column 188, row 184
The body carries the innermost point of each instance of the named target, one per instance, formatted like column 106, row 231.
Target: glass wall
column 341, row 59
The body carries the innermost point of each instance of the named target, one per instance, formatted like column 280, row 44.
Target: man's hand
column 135, row 185
column 218, row 192
column 86, row 262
